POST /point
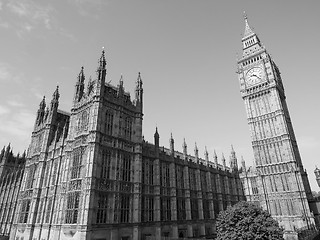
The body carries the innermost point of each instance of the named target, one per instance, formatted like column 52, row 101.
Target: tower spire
column 206, row 155
column 223, row 161
column 42, row 105
column 139, row 91
column 196, row 152
column 55, row 99
column 156, row 137
column 102, row 61
column 215, row 157
column 121, row 89
column 101, row 71
column 41, row 111
column 247, row 31
column 171, row 141
column 80, row 85
column 184, row 147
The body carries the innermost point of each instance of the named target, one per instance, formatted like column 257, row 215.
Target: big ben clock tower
column 283, row 185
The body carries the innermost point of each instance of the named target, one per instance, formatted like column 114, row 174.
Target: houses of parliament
column 89, row 173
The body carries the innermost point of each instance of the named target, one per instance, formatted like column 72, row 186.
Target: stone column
column 173, row 197
column 156, row 205
column 210, row 194
column 136, row 211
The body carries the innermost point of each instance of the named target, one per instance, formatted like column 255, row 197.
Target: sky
column 186, row 51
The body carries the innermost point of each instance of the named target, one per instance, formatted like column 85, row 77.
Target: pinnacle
column 247, row 31
column 102, row 61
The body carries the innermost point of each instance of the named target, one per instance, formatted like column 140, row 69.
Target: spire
column 139, row 81
column 55, row 99
column 215, row 157
column 139, row 91
column 171, row 145
column 139, row 87
column 156, row 138
column 42, row 105
column 81, row 76
column 184, row 148
column 41, row 111
column 56, row 94
column 7, row 152
column 232, row 150
column 196, row 151
column 223, row 161
column 120, row 89
column 80, row 85
column 247, row 31
column 101, row 71
column 233, row 159
column 206, row 155
column 102, row 60
column 121, row 80
column 250, row 41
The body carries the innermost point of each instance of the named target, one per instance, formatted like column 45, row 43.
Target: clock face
column 254, row 75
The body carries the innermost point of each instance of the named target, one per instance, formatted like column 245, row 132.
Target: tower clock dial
column 254, row 75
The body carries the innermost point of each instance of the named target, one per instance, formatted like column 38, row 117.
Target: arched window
column 84, row 120
column 109, row 122
column 128, row 128
column 106, row 164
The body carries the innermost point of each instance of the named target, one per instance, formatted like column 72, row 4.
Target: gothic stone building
column 11, row 171
column 278, row 182
column 90, row 175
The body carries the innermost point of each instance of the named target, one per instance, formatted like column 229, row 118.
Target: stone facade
column 282, row 184
column 11, row 172
column 89, row 174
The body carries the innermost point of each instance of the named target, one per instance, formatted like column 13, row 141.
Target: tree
column 246, row 221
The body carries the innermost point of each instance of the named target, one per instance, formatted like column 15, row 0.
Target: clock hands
column 253, row 75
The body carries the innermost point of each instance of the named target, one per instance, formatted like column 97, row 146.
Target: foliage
column 246, row 221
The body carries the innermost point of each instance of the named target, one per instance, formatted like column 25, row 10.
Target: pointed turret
column 101, row 71
column 156, row 142
column 156, row 138
column 41, row 111
column 215, row 158
column 206, row 155
column 102, row 60
column 196, row 152
column 8, row 150
column 139, row 91
column 232, row 150
column 42, row 104
column 80, row 85
column 233, row 159
column 184, row 149
column 120, row 87
column 55, row 99
column 224, row 161
column 171, row 142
